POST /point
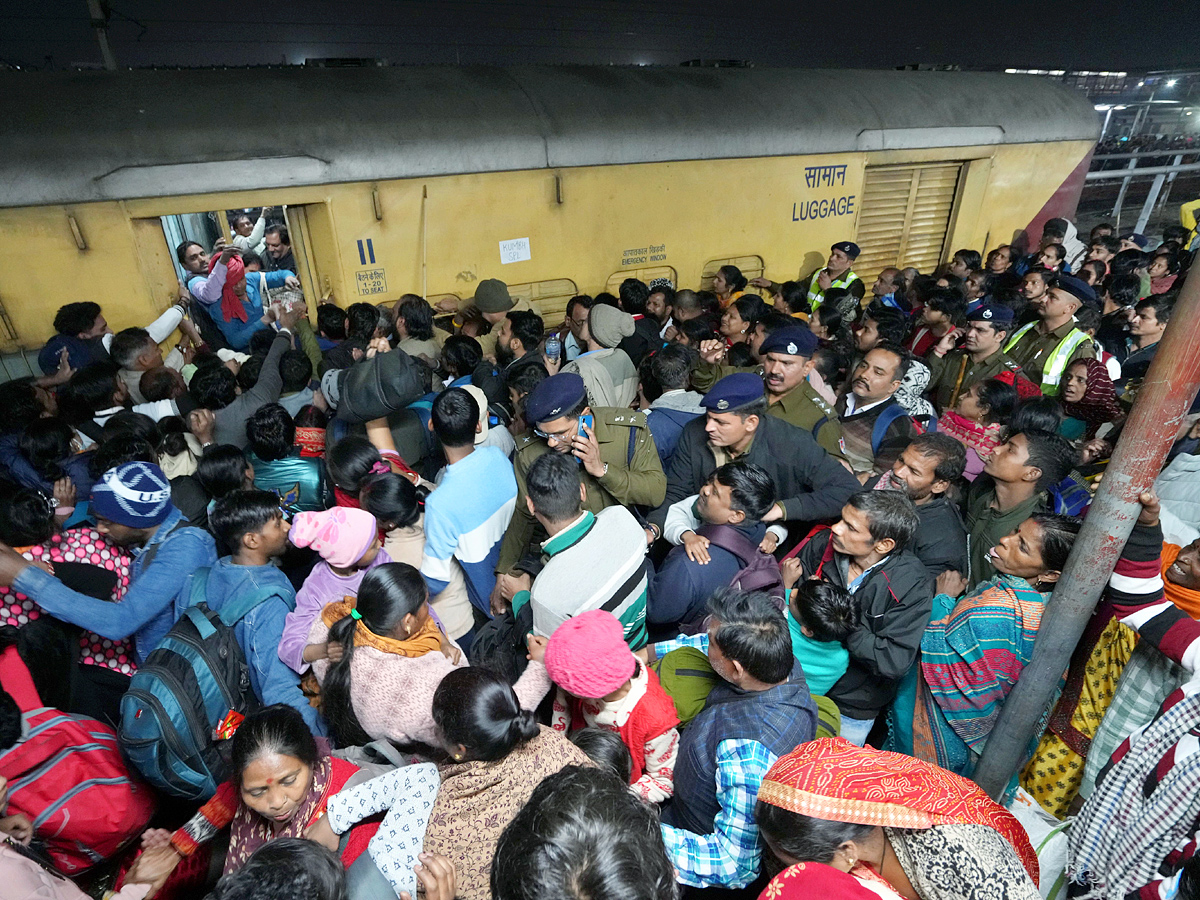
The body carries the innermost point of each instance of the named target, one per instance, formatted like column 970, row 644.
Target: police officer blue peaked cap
column 998, row 315
column 848, row 247
column 733, row 392
column 553, row 398
column 791, row 341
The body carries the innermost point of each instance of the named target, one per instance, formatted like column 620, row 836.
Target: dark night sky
column 1098, row 35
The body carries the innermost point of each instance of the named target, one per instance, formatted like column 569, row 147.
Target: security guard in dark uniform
column 619, row 464
column 952, row 374
column 787, row 360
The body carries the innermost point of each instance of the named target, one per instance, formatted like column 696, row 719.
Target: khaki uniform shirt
column 1034, row 349
column 945, row 386
column 802, row 406
column 636, row 481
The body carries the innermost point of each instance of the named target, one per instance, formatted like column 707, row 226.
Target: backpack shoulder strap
column 148, row 556
column 198, row 586
column 730, row 539
column 633, row 436
column 91, row 429
column 820, row 424
column 883, row 422
column 233, row 612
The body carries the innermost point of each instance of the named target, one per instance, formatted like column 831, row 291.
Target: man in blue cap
column 133, row 509
column 810, row 483
column 952, row 372
column 836, row 274
column 786, row 355
column 618, row 461
column 1043, row 349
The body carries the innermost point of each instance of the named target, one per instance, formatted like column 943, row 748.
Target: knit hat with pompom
column 587, row 655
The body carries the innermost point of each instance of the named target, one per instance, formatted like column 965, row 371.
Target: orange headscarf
column 834, row 780
column 231, row 305
column 1185, row 598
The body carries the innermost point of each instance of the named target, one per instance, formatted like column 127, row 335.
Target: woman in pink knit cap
column 603, row 685
column 348, row 543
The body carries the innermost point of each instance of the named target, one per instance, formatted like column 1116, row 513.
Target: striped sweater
column 597, row 562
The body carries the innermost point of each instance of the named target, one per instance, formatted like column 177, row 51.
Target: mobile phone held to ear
column 586, row 421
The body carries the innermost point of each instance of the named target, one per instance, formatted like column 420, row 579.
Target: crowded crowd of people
column 702, row 588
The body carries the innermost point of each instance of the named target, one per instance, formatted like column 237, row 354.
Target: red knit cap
column 587, row 655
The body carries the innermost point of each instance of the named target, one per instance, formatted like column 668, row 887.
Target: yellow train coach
column 556, row 180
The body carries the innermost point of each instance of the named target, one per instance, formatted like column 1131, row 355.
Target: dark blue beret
column 848, row 247
column 792, row 341
column 994, row 313
column 554, row 398
column 1078, row 288
column 734, row 391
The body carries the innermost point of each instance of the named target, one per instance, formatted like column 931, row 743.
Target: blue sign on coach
column 823, row 209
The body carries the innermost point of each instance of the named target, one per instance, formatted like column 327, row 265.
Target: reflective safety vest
column 816, row 296
column 1056, row 364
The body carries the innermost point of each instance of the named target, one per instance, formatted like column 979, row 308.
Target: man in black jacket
column 865, row 554
column 925, row 471
column 810, row 483
column 634, row 295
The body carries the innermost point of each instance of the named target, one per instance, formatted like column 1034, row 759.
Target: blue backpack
column 187, row 687
column 892, row 412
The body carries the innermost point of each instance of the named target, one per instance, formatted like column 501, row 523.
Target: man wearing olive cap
column 494, row 303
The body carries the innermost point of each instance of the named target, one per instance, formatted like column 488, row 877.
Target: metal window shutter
column 903, row 217
column 647, row 275
column 750, row 266
column 549, row 298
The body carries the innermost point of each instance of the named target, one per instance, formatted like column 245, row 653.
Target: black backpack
column 499, row 644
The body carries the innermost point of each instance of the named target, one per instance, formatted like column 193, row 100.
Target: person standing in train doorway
column 279, row 249
column 836, row 274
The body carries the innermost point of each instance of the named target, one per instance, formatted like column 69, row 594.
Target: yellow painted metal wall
column 441, row 235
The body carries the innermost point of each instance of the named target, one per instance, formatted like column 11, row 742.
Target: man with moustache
column 926, row 470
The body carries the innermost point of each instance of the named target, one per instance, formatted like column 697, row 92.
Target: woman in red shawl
column 243, row 296
column 1088, row 399
column 283, row 778
column 902, row 827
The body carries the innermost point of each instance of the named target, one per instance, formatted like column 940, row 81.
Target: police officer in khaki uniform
column 952, row 372
column 787, row 360
column 1045, row 348
column 617, row 457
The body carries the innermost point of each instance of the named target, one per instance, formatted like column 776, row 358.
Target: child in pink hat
column 348, row 543
column 603, row 685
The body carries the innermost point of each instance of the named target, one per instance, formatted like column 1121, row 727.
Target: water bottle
column 553, row 347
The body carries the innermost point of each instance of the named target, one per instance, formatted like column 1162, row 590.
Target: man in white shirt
column 875, row 428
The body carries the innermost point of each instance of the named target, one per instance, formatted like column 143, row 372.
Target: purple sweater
column 320, row 588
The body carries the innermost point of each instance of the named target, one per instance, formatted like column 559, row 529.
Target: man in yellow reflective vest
column 1043, row 349
column 836, row 274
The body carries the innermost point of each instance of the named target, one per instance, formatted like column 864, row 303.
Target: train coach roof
column 84, row 136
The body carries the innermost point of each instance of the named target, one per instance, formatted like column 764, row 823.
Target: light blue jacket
column 152, row 603
column 261, row 630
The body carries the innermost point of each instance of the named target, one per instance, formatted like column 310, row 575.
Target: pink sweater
column 392, row 695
